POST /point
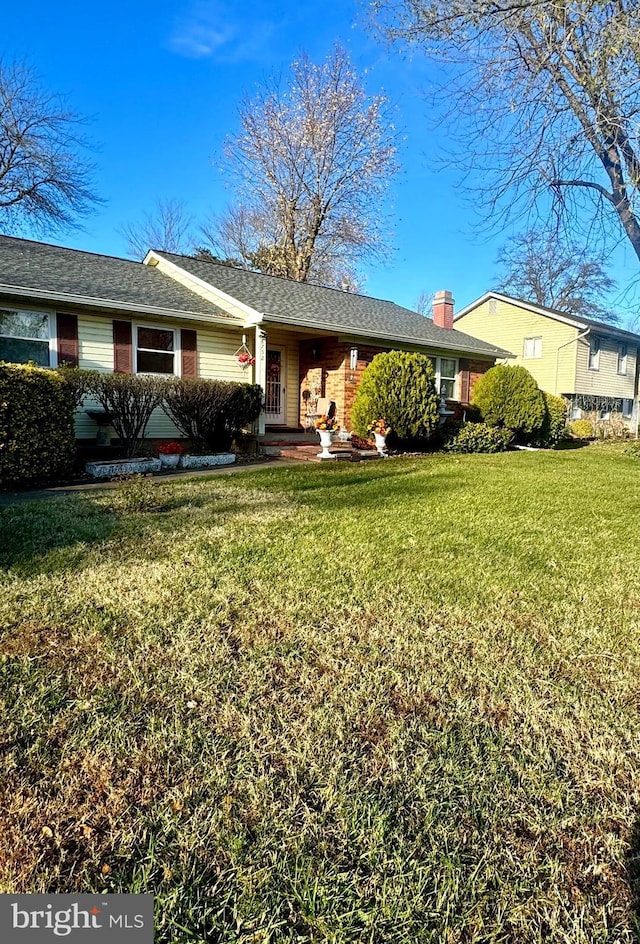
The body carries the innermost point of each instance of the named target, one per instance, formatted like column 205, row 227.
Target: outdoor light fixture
column 315, row 352
column 353, row 358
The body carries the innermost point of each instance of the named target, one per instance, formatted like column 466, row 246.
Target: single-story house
column 592, row 364
column 178, row 315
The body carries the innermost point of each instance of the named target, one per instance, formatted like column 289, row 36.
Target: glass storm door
column 274, row 402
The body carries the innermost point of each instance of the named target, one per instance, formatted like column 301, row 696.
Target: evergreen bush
column 479, row 437
column 581, row 429
column 555, row 421
column 400, row 388
column 509, row 397
column 37, row 443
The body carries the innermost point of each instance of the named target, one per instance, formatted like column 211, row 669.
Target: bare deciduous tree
column 547, row 95
column 538, row 268
column 312, row 160
column 45, row 179
column 168, row 227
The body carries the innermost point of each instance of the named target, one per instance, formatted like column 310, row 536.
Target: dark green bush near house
column 479, row 437
column 36, row 426
column 581, row 429
column 555, row 421
column 130, row 399
column 509, row 397
column 400, row 388
column 210, row 412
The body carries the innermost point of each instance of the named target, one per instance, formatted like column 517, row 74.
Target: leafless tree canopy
column 548, row 94
column 167, row 227
column 45, row 180
column 312, row 161
column 537, row 267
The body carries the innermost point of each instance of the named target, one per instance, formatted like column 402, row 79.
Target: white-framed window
column 532, row 347
column 622, row 358
column 576, row 412
column 604, row 414
column 155, row 350
column 594, row 354
column 27, row 336
column 627, row 408
column 446, row 376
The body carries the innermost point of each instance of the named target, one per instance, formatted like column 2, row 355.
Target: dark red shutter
column 464, row 381
column 67, row 339
column 189, row 348
column 122, row 349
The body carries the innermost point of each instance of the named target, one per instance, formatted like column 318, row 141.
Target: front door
column 274, row 401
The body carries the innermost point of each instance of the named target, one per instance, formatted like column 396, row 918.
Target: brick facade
column 325, row 372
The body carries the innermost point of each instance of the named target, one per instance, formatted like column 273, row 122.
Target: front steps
column 308, row 452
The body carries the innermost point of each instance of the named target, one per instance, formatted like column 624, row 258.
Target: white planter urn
column 325, row 442
column 381, row 444
column 170, row 461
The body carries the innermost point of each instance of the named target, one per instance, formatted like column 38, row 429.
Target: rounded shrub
column 400, row 388
column 479, row 437
column 581, row 429
column 37, row 443
column 555, row 421
column 510, row 398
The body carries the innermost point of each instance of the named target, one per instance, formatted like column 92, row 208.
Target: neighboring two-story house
column 592, row 364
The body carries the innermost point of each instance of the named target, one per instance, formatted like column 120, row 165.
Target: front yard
column 385, row 702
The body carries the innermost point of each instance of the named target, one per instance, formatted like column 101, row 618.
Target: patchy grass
column 389, row 702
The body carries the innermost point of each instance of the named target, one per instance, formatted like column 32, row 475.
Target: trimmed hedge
column 479, row 437
column 400, row 388
column 581, row 429
column 509, row 397
column 37, row 443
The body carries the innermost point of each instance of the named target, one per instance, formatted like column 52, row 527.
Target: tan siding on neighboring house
column 606, row 381
column 510, row 325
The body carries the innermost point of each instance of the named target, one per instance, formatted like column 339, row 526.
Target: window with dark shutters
column 189, row 348
column 122, row 348
column 67, row 339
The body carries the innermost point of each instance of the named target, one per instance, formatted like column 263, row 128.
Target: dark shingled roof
column 27, row 265
column 298, row 303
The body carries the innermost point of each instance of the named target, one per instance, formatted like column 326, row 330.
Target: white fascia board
column 86, row 301
column 153, row 258
column 385, row 336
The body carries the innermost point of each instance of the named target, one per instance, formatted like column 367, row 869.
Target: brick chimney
column 443, row 309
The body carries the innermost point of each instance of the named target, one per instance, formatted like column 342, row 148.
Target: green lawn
column 393, row 701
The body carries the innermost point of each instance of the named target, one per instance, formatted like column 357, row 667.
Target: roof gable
column 304, row 304
column 598, row 327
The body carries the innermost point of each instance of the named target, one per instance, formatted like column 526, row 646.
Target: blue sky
column 161, row 83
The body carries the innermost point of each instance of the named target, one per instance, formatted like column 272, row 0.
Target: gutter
column 85, row 301
column 403, row 339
